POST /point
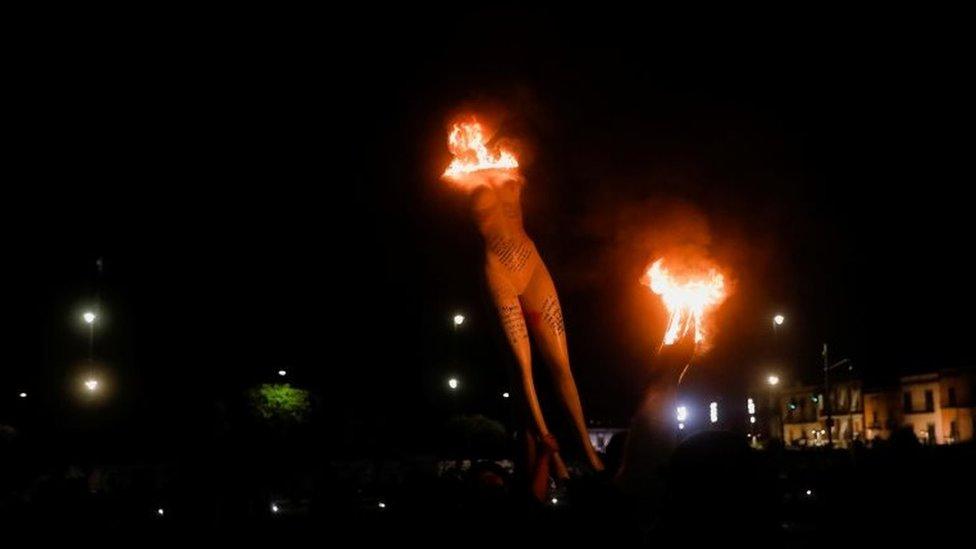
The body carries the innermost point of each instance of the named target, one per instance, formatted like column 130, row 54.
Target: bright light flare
column 453, row 383
column 681, row 413
column 713, row 412
column 282, row 373
column 689, row 294
column 89, row 317
column 458, row 319
column 751, row 406
column 469, row 145
column 91, row 385
column 773, row 380
column 779, row 320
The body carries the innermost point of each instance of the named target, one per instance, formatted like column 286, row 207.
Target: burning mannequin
column 521, row 288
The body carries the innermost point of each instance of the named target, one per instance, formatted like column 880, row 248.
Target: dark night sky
column 269, row 199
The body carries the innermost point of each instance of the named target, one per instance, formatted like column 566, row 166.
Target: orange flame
column 469, row 146
column 688, row 298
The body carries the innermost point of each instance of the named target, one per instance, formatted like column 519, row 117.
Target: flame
column 468, row 144
column 688, row 298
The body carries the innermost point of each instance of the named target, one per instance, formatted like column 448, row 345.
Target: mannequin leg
column 546, row 322
column 513, row 322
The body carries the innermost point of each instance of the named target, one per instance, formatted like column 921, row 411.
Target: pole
column 827, row 407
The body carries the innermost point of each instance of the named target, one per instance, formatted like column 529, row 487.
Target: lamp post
column 90, row 317
column 772, row 381
column 828, row 408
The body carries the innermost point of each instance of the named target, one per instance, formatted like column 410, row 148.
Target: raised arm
column 652, row 437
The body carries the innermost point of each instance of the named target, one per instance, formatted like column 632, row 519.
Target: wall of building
column 948, row 416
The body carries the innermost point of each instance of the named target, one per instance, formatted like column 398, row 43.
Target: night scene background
column 265, row 199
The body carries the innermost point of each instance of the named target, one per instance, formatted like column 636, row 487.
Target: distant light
column 452, row 383
column 554, row 501
column 381, row 505
column 681, row 426
column 772, row 380
column 274, row 507
column 752, row 419
column 160, row 511
column 22, row 395
column 809, row 492
column 779, row 319
column 89, row 317
column 713, row 412
column 505, row 394
column 282, row 373
column 91, row 384
column 682, row 413
column 458, row 319
column 751, row 405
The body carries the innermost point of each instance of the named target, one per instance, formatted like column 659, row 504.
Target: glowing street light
column 779, row 319
column 751, row 406
column 772, row 380
column 458, row 320
column 505, row 394
column 453, row 383
column 89, row 317
column 381, row 505
column 160, row 511
column 274, row 508
column 554, row 501
column 713, row 412
column 282, row 373
column 682, row 413
column 91, row 384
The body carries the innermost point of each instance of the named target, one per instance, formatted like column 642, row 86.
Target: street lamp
column 828, row 408
column 89, row 317
column 773, row 380
column 778, row 320
column 458, row 320
column 282, row 373
column 505, row 394
column 681, row 413
column 453, row 383
column 22, row 395
column 91, row 384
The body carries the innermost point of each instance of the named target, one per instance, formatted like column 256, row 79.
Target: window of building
column 874, row 417
column 953, row 431
column 952, row 396
column 907, row 402
column 929, row 401
column 930, row 431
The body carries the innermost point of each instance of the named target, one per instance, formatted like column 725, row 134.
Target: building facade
column 937, row 407
column 805, row 416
